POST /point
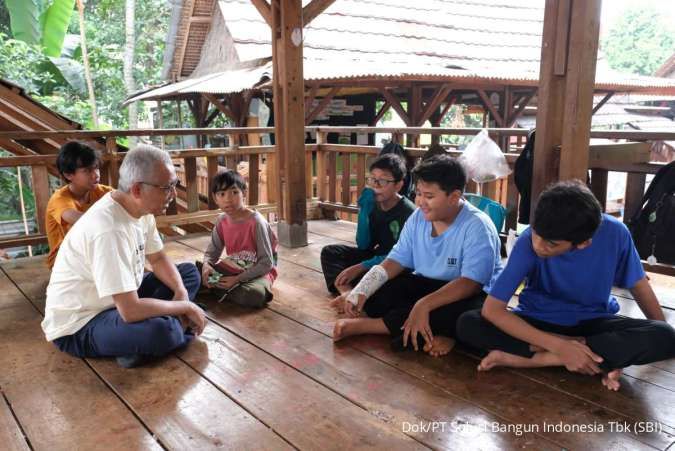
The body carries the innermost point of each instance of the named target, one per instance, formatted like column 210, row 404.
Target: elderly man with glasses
column 100, row 300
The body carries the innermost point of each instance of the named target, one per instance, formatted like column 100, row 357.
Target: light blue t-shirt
column 468, row 248
column 574, row 286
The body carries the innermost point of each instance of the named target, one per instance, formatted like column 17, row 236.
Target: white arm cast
column 369, row 284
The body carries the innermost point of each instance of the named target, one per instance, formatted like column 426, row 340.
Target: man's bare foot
column 338, row 304
column 439, row 346
column 611, row 380
column 535, row 348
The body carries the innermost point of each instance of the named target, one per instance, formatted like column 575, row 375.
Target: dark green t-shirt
column 386, row 226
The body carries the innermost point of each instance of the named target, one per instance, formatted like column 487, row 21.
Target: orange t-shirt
column 63, row 200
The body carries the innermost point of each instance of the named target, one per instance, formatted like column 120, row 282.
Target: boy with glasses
column 445, row 259
column 382, row 213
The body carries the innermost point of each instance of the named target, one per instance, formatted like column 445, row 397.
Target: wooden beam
column 579, row 87
column 313, row 9
column 441, row 94
column 309, row 97
column 396, row 105
column 488, row 104
column 602, row 102
column 201, row 19
column 515, row 114
column 289, row 90
column 599, row 186
column 451, row 101
column 562, row 37
column 380, row 114
column 41, row 192
column 635, row 189
column 24, row 240
column 220, row 106
column 113, row 165
column 191, row 187
column 565, row 101
column 15, row 148
column 264, row 9
column 183, row 45
column 211, row 117
column 322, row 105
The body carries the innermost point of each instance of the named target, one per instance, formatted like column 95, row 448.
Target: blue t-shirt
column 576, row 285
column 468, row 248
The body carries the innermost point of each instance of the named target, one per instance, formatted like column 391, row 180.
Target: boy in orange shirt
column 79, row 165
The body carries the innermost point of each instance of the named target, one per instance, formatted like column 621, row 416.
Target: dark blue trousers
column 107, row 335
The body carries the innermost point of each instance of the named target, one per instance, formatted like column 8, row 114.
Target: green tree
column 639, row 42
column 23, row 63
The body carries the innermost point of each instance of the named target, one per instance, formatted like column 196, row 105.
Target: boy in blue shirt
column 382, row 213
column 566, row 316
column 450, row 249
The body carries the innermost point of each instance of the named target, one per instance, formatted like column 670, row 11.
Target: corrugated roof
column 217, row 83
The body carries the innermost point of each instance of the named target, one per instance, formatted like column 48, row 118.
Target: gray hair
column 139, row 164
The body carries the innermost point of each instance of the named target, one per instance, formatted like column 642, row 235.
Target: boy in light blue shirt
column 447, row 253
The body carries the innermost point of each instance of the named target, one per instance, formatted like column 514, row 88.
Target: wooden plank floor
column 273, row 379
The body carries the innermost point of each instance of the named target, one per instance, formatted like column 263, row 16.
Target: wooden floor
column 273, row 379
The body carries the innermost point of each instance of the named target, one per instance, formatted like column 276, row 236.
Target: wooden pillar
column 113, row 165
column 160, row 120
column 40, row 187
column 565, row 97
column 289, row 113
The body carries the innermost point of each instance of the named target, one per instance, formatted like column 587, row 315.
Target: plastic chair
column 493, row 209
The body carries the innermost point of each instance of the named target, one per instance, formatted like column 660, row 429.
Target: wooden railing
column 335, row 173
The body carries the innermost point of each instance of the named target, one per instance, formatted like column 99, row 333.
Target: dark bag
column 397, row 149
column 653, row 226
column 522, row 175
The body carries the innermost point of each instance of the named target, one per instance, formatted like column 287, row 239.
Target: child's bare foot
column 338, row 304
column 535, row 348
column 439, row 346
column 500, row 358
column 344, row 289
column 343, row 328
column 611, row 380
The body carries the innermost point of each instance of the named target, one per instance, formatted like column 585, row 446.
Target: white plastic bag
column 483, row 160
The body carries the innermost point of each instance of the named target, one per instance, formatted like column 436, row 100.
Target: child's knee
column 163, row 334
column 328, row 252
column 253, row 297
column 468, row 325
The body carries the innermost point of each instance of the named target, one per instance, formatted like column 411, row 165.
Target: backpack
column 407, row 188
column 653, row 226
column 522, row 175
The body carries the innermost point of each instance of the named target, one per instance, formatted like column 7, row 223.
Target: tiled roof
column 468, row 41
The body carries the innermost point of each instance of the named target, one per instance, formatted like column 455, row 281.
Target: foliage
column 10, row 205
column 58, row 81
column 25, row 19
column 55, row 22
column 639, row 42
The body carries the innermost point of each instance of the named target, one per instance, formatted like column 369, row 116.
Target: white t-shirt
column 102, row 254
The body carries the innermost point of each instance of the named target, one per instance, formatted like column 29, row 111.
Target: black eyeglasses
column 380, row 183
column 166, row 188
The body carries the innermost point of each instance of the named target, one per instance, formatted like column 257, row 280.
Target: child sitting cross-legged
column 382, row 214
column 570, row 258
column 447, row 252
column 247, row 270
